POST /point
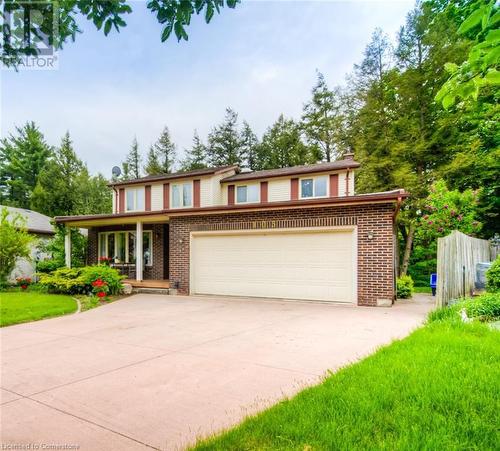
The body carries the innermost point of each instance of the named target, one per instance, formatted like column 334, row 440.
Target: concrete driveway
column 156, row 371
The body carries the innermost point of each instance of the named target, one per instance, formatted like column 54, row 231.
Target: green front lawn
column 20, row 307
column 437, row 389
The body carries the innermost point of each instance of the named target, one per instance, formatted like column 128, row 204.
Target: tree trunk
column 408, row 246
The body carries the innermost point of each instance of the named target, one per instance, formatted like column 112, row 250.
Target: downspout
column 396, row 250
column 347, row 182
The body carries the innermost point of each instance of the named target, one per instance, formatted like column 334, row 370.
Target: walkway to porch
column 148, row 283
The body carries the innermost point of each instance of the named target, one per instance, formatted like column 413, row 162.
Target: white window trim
column 247, row 201
column 181, row 184
column 137, row 191
column 313, row 179
column 102, row 234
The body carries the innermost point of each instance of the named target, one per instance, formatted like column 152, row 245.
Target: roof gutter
column 216, row 209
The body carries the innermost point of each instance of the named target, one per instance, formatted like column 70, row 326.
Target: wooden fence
column 457, row 257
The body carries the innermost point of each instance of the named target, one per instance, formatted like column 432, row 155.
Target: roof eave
column 252, row 176
column 388, row 197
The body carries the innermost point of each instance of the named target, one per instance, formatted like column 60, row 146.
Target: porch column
column 139, row 254
column 67, row 247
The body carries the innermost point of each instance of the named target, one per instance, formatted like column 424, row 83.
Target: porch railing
column 125, row 269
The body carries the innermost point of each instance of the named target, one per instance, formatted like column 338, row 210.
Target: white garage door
column 316, row 265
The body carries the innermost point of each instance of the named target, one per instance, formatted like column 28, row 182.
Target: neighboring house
column 295, row 233
column 38, row 225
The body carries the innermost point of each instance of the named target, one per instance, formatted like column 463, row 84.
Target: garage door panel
column 285, row 265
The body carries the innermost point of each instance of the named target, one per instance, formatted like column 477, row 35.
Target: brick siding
column 375, row 256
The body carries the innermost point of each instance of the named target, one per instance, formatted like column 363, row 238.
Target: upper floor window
column 182, row 195
column 247, row 193
column 135, row 199
column 314, row 187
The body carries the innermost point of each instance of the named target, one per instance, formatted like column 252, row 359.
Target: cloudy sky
column 260, row 59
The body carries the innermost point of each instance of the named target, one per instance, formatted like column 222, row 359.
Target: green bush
column 47, row 266
column 64, row 280
column 404, row 287
column 79, row 280
column 493, row 276
column 485, row 307
column 109, row 275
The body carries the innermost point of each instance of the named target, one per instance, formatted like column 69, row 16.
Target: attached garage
column 309, row 264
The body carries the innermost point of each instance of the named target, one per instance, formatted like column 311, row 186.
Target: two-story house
column 294, row 233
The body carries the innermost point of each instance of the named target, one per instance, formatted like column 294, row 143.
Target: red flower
column 98, row 283
column 101, row 294
column 24, row 286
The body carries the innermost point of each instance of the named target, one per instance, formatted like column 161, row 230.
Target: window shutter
column 196, row 193
column 147, row 193
column 230, row 195
column 166, row 196
column 334, row 185
column 263, row 191
column 121, row 203
column 294, row 189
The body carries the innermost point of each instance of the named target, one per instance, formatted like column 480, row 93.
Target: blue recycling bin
column 433, row 283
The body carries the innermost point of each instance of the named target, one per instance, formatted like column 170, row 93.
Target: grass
column 23, row 306
column 437, row 389
column 422, row 290
column 90, row 302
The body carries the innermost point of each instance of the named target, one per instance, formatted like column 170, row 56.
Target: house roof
column 175, row 175
column 35, row 222
column 162, row 215
column 295, row 170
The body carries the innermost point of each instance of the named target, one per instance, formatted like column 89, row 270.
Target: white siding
column 113, row 198
column 206, row 192
column 156, row 197
column 352, row 189
column 278, row 190
column 342, row 184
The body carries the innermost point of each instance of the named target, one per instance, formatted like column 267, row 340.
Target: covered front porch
column 138, row 247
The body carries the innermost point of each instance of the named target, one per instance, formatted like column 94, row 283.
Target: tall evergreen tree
column 22, row 157
column 249, row 146
column 195, row 156
column 57, row 189
column 133, row 162
column 282, row 146
column 224, row 142
column 165, row 150
column 323, row 120
column 153, row 166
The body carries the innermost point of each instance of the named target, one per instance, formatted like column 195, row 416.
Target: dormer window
column 182, row 195
column 135, row 199
column 247, row 194
column 314, row 187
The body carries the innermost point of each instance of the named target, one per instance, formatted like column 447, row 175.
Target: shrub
column 485, row 307
column 404, row 287
column 493, row 276
column 47, row 266
column 107, row 274
column 64, row 280
column 80, row 280
column 14, row 242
